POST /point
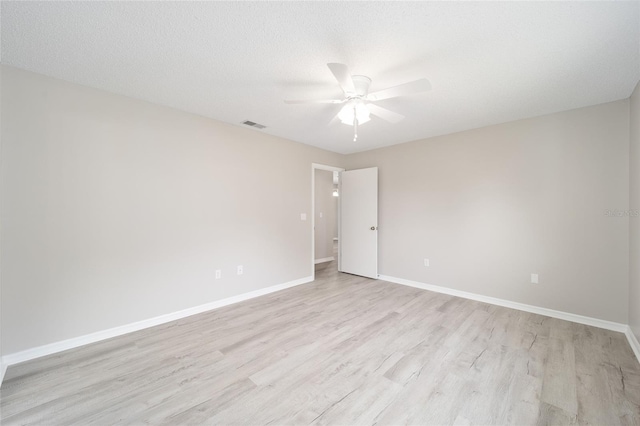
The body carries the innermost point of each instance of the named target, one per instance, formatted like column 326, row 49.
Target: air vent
column 252, row 124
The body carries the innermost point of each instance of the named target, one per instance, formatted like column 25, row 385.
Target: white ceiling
column 488, row 62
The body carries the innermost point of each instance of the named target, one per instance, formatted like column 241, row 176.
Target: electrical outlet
column 426, row 262
column 534, row 278
column 218, row 274
column 240, row 271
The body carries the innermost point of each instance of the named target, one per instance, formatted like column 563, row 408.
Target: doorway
column 325, row 257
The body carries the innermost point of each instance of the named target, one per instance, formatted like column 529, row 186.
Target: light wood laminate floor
column 340, row 350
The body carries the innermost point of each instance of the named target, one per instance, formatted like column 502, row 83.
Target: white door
column 359, row 222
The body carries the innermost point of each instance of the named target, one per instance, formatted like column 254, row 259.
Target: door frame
column 314, row 167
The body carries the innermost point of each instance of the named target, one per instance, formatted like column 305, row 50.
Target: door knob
column 373, row 228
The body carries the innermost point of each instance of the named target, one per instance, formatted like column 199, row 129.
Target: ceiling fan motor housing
column 361, row 83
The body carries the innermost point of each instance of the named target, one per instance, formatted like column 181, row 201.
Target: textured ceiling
column 488, row 62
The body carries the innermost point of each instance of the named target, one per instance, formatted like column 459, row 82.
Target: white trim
column 75, row 342
column 3, row 370
column 633, row 342
column 595, row 322
column 325, row 167
column 324, row 259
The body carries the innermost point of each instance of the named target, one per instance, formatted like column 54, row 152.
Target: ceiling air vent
column 252, row 124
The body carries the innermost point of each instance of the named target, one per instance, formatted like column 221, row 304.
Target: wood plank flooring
column 340, row 350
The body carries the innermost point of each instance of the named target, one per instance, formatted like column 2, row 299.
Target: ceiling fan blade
column 385, row 114
column 342, row 74
column 319, row 101
column 400, row 90
column 334, row 120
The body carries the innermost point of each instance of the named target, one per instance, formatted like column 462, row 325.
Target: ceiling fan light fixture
column 351, row 110
column 358, row 103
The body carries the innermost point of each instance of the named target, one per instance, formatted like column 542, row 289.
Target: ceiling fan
column 358, row 100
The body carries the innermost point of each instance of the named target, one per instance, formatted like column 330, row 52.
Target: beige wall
column 325, row 214
column 116, row 210
column 634, row 205
column 490, row 206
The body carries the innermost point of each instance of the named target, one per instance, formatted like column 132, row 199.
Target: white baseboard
column 324, row 259
column 75, row 342
column 633, row 342
column 29, row 354
column 595, row 322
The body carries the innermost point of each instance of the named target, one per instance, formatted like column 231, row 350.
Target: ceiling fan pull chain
column 355, row 125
